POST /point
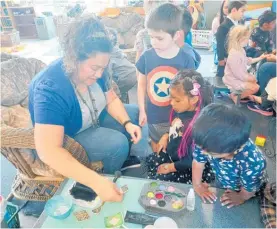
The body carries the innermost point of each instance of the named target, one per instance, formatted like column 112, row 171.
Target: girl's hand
column 231, row 198
column 142, row 118
column 166, row 168
column 203, row 191
column 162, row 144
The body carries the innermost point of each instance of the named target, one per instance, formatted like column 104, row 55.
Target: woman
column 73, row 96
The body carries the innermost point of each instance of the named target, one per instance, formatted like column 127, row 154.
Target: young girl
column 221, row 137
column 236, row 77
column 173, row 160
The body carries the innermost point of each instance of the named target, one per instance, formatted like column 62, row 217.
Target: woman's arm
column 117, row 110
column 49, row 142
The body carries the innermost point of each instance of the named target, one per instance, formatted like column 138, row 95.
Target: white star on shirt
column 163, row 87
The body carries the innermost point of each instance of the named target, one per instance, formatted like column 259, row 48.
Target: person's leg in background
column 266, row 72
column 220, row 70
column 142, row 148
column 106, row 145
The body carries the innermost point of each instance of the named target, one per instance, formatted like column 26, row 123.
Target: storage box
column 201, row 38
column 10, row 38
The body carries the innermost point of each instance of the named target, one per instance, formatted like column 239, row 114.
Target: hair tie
column 195, row 90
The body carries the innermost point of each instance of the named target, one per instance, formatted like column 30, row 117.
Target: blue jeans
column 110, row 142
column 266, row 72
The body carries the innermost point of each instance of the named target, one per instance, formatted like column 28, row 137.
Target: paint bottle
column 191, row 200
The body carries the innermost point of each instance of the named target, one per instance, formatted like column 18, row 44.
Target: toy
column 260, row 140
column 162, row 198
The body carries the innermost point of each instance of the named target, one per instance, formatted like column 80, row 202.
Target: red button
column 159, row 196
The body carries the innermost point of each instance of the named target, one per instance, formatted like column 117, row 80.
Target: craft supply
column 162, row 198
column 260, row 140
column 124, row 189
column 139, row 218
column 59, row 207
column 81, row 215
column 191, row 200
column 114, row 221
column 97, row 210
column 165, row 222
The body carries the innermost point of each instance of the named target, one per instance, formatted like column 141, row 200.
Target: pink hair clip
column 195, row 90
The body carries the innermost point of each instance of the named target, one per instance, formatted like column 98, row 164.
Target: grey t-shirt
column 100, row 101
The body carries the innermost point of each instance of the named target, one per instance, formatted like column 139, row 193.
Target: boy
column 182, row 41
column 260, row 37
column 157, row 66
column 143, row 41
column 236, row 10
column 221, row 136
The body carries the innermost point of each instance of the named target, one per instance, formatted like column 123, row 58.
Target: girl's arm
column 255, row 60
column 236, row 66
column 200, row 188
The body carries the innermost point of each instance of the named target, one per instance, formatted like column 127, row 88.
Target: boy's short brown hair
column 167, row 17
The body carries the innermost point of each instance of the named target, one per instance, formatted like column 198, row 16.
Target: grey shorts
column 156, row 131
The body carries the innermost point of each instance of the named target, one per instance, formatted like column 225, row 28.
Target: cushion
column 16, row 74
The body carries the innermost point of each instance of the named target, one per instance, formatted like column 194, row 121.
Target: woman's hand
column 271, row 58
column 205, row 194
column 162, row 144
column 231, row 198
column 142, row 118
column 107, row 190
column 166, row 168
column 134, row 131
column 263, row 56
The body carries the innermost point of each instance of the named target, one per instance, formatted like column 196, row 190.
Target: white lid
column 165, row 222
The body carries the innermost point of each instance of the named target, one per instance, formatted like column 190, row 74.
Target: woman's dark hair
column 186, row 79
column 221, row 13
column 166, row 17
column 221, row 128
column 85, row 37
column 267, row 17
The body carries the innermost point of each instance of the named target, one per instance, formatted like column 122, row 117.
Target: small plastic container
column 59, row 207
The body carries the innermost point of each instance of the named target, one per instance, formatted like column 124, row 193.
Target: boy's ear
column 178, row 35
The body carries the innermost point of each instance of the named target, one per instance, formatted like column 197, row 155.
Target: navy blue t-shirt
column 52, row 99
column 159, row 72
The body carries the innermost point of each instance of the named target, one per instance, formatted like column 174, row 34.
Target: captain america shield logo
column 158, row 85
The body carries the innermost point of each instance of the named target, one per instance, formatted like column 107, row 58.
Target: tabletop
column 204, row 216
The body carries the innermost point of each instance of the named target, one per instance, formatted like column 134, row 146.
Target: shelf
column 7, row 27
column 4, row 16
column 24, row 15
column 24, row 25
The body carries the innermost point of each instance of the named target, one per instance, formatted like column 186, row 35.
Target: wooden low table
column 204, row 215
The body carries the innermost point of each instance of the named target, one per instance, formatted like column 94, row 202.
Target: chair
column 35, row 180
